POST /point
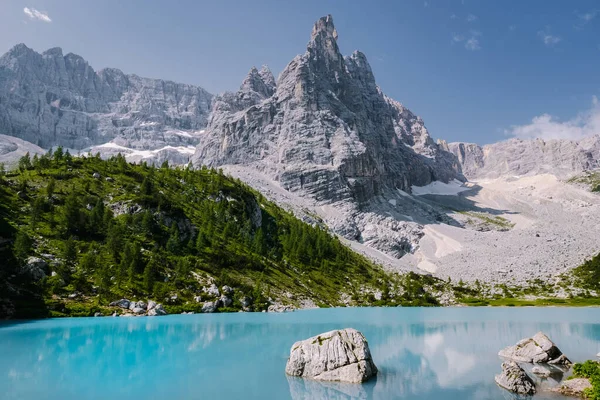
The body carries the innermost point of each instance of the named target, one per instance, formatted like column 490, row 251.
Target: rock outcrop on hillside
column 562, row 158
column 52, row 99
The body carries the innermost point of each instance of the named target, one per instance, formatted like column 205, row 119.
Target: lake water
column 422, row 353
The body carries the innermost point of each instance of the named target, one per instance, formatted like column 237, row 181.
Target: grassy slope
column 180, row 230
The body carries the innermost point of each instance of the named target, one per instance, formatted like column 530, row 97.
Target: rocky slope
column 51, row 99
column 12, row 148
column 562, row 158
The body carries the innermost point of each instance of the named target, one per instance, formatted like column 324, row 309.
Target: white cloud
column 471, row 40
column 549, row 39
column 32, row 13
column 472, row 44
column 586, row 18
column 546, row 126
column 453, row 16
column 471, row 18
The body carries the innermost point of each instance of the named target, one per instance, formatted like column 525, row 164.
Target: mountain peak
column 324, row 28
column 19, row 49
column 53, row 52
column 255, row 82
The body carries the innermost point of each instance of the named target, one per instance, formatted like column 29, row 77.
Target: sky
column 475, row 70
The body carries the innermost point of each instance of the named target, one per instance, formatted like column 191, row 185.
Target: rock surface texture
column 537, row 349
column 514, row 379
column 341, row 355
column 563, row 158
column 52, row 99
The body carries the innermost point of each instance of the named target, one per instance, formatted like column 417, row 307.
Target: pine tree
column 37, row 208
column 25, row 162
column 89, row 262
column 150, row 275
column 50, row 188
column 58, row 154
column 148, row 225
column 114, row 240
column 103, row 279
column 22, row 246
column 174, row 243
column 73, row 217
column 96, row 220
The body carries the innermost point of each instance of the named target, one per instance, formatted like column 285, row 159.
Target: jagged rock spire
column 323, row 44
column 267, row 77
column 254, row 82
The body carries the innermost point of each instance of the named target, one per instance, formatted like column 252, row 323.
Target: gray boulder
column 123, row 303
column 210, row 307
column 212, row 290
column 226, row 290
column 537, row 349
column 246, row 301
column 157, row 310
column 151, row 305
column 513, row 378
column 36, row 268
column 226, row 301
column 341, row 355
column 138, row 310
column 197, row 299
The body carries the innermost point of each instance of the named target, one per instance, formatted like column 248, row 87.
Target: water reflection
column 426, row 354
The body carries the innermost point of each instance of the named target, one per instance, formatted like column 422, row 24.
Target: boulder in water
column 537, row 349
column 574, row 387
column 513, row 378
column 341, row 355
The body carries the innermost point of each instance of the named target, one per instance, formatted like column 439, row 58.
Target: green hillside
column 104, row 230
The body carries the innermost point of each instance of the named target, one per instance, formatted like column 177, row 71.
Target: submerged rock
column 537, row 349
column 341, row 355
column 514, row 379
column 541, row 371
column 574, row 387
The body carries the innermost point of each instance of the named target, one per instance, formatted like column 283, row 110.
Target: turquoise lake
column 421, row 353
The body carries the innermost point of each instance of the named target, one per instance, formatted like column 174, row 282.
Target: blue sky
column 477, row 71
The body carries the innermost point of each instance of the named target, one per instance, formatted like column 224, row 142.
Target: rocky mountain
column 326, row 141
column 51, row 99
column 325, row 129
column 562, row 158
